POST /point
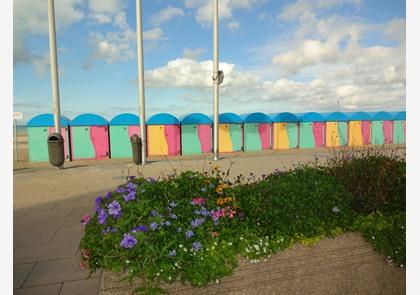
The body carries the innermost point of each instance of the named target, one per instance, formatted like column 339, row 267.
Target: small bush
column 303, row 203
column 386, row 233
column 376, row 180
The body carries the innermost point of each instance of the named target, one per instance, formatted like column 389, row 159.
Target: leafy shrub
column 386, row 233
column 376, row 180
column 303, row 203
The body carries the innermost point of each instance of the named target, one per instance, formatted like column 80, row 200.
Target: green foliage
column 148, row 234
column 386, row 233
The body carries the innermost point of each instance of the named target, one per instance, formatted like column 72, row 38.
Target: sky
column 277, row 56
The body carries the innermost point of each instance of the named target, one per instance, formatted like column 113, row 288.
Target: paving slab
column 56, row 271
column 68, row 234
column 82, row 287
column 21, row 272
column 42, row 290
column 34, row 237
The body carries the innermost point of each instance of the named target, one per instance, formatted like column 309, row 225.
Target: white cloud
column 395, row 30
column 31, row 17
column 204, row 9
column 153, row 34
column 306, row 9
column 193, row 53
column 104, row 11
column 233, row 26
column 166, row 15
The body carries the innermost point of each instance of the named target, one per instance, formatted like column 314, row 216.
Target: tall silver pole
column 16, row 142
column 54, row 68
column 215, row 81
column 141, row 82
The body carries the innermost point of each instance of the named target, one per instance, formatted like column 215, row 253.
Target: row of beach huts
column 90, row 136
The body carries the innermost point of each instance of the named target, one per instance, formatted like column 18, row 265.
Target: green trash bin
column 56, row 149
column 136, row 145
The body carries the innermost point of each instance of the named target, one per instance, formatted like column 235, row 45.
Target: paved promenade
column 49, row 203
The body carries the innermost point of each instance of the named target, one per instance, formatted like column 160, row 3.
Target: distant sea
column 22, row 130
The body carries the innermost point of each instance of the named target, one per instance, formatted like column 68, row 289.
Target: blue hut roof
column 380, row 116
column 88, row 120
column 256, row 117
column 195, row 118
column 125, row 119
column 230, row 118
column 163, row 119
column 284, row 117
column 359, row 116
column 336, row 117
column 311, row 117
column 47, row 120
column 398, row 115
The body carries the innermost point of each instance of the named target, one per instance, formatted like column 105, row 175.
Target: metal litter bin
column 136, row 145
column 56, row 149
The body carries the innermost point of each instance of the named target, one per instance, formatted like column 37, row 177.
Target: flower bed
column 190, row 227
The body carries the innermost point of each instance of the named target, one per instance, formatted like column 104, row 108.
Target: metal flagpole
column 215, row 81
column 54, row 70
column 15, row 139
column 141, row 81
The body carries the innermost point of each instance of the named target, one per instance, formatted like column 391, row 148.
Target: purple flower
column 241, row 215
column 109, row 229
column 154, row 226
column 178, row 229
column 151, row 179
column 173, row 216
column 142, row 228
column 114, row 209
column 102, row 216
column 167, row 223
column 196, row 246
column 203, row 189
column 108, row 195
column 172, row 253
column 197, row 222
column 153, row 213
column 131, row 177
column 131, row 196
column 189, row 234
column 172, row 204
column 197, row 212
column 120, row 190
column 128, row 241
column 131, row 186
column 98, row 202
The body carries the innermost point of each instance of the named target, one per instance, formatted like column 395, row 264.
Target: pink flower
column 198, row 201
column 85, row 220
column 215, row 234
column 82, row 265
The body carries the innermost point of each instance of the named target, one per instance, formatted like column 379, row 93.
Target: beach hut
column 121, row 128
column 285, row 130
column 381, row 128
column 196, row 134
column 163, row 135
column 399, row 128
column 359, row 129
column 257, row 132
column 336, row 129
column 39, row 127
column 311, row 130
column 89, row 136
column 230, row 133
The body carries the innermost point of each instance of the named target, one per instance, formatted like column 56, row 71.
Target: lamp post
column 215, row 81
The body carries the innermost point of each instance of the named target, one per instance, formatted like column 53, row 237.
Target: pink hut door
column 172, row 134
column 318, row 131
column 264, row 131
column 366, row 132
column 204, row 134
column 133, row 130
column 387, row 125
column 99, row 137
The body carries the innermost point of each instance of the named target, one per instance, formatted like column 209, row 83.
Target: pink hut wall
column 387, row 132
column 205, row 135
column 133, row 130
column 172, row 134
column 366, row 132
column 318, row 131
column 264, row 131
column 99, row 137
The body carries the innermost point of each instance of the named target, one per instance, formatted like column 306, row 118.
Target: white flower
column 169, row 278
column 335, row 209
column 212, row 247
column 256, row 247
column 176, row 263
column 217, row 281
column 127, row 261
column 157, row 274
column 373, row 237
column 180, row 245
column 230, row 243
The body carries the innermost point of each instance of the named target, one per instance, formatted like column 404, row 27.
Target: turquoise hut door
column 292, row 133
column 235, row 131
column 306, row 135
column 252, row 138
column 377, row 133
column 190, row 140
column 38, row 148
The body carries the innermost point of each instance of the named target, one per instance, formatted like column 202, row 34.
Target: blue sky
column 277, row 56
